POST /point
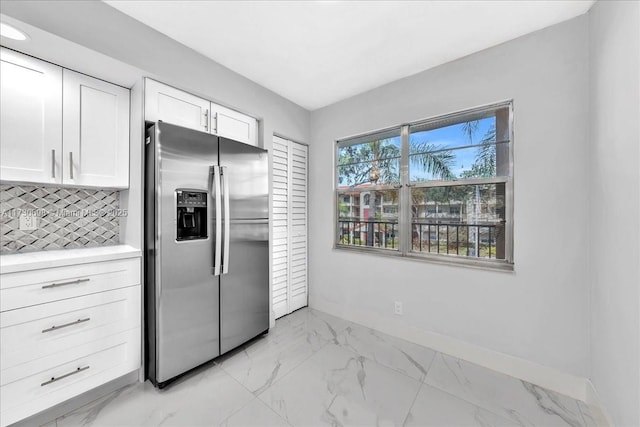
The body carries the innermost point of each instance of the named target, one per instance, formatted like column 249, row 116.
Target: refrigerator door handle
column 217, row 251
column 227, row 220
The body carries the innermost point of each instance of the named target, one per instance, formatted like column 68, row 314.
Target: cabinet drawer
column 30, row 288
column 84, row 368
column 31, row 333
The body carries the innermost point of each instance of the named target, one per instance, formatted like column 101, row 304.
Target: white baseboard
column 598, row 410
column 553, row 379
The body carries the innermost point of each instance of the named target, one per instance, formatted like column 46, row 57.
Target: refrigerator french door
column 206, row 254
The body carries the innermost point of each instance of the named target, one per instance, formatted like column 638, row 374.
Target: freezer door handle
column 217, row 251
column 227, row 220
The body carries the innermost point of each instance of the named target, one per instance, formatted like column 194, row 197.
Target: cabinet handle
column 71, row 164
column 55, row 328
column 206, row 120
column 53, row 163
column 54, row 379
column 72, row 282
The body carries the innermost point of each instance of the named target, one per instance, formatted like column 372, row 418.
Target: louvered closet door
column 280, row 235
column 289, row 226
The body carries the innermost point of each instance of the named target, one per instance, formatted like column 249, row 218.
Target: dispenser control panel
column 191, row 215
column 192, row 199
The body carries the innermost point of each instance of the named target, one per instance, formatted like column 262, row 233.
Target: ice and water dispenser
column 191, row 214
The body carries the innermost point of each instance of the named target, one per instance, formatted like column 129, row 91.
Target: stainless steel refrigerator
column 206, row 248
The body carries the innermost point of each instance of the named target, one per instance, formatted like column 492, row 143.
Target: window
column 436, row 189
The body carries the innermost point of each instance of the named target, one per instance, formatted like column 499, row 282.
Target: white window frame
column 404, row 188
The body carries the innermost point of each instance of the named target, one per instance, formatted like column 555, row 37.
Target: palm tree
column 432, row 159
column 485, row 161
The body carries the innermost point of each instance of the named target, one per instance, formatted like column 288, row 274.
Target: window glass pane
column 461, row 163
column 462, row 220
column 453, row 136
column 369, row 218
column 373, row 162
column 436, row 148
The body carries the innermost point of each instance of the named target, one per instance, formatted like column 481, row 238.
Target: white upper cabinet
column 95, row 132
column 61, row 127
column 180, row 108
column 231, row 124
column 31, row 116
column 174, row 106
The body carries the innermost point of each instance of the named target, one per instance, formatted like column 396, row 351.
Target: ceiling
column 315, row 53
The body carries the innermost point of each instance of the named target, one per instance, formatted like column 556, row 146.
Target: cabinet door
column 96, row 132
column 174, row 106
column 31, row 116
column 231, row 124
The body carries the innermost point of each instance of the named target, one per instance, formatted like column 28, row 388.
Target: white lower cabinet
column 28, row 288
column 89, row 366
column 57, row 345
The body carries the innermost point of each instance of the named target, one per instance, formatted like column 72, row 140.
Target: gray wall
column 539, row 312
column 615, row 207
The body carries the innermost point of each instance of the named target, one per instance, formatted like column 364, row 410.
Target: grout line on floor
column 352, row 350
column 575, row 401
column 247, row 404
column 274, row 411
column 406, row 417
column 283, row 376
column 289, row 373
column 433, row 359
column 469, row 402
column 459, row 397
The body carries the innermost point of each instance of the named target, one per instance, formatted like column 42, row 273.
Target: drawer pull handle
column 54, row 379
column 73, row 282
column 55, row 328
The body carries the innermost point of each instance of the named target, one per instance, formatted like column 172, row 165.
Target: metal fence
column 379, row 234
column 471, row 240
column 476, row 240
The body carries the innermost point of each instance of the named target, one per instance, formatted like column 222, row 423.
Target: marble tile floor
column 313, row 369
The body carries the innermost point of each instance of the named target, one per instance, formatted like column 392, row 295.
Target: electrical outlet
column 398, row 308
column 28, row 222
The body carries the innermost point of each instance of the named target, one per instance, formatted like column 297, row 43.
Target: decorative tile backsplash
column 44, row 218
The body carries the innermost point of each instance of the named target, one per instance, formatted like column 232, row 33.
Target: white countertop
column 59, row 258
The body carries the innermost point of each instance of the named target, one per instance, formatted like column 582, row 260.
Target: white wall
column 538, row 312
column 615, row 207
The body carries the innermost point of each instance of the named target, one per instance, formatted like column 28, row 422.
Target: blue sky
column 452, row 137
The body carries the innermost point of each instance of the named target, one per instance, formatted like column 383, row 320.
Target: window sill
column 450, row 260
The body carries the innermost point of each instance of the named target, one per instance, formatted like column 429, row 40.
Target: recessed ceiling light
column 10, row 32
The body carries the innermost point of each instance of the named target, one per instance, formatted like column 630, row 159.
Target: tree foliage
column 485, row 161
column 430, row 159
column 375, row 161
